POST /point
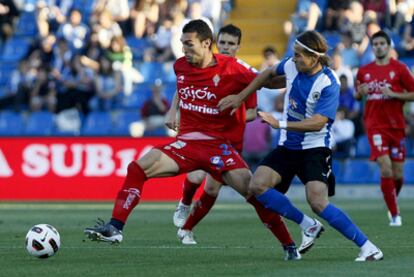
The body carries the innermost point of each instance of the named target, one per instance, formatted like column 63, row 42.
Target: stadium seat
column 15, row 49
column 409, row 171
column 168, row 74
column 137, row 98
column 11, row 123
column 97, row 124
column 360, row 172
column 122, row 120
column 39, row 124
column 169, row 91
column 338, row 170
column 26, row 25
column 333, row 39
column 137, row 46
column 362, row 147
column 151, row 71
column 158, row 132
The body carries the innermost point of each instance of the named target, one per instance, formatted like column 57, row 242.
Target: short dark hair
column 381, row 34
column 231, row 30
column 201, row 28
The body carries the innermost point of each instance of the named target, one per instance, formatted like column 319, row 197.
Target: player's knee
column 386, row 171
column 317, row 204
column 196, row 177
column 258, row 185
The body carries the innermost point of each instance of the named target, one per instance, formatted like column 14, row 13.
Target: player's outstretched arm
column 171, row 115
column 408, row 96
column 235, row 101
column 312, row 124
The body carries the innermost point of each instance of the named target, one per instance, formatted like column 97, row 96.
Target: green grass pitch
column 231, row 242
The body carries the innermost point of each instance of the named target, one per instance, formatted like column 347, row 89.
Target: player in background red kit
column 228, row 43
column 203, row 79
column 386, row 83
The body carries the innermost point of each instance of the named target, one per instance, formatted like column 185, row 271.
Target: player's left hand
column 387, row 92
column 231, row 101
column 269, row 119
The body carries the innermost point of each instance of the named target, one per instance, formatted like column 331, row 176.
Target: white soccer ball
column 42, row 241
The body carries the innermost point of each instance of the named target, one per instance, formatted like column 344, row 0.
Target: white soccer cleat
column 374, row 254
column 396, row 221
column 186, row 237
column 181, row 214
column 310, row 235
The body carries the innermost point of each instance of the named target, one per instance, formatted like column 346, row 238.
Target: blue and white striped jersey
column 306, row 96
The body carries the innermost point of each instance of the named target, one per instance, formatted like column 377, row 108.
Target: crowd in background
column 91, row 56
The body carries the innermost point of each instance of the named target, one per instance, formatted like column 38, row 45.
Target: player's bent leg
column 192, row 182
column 153, row 164
column 200, row 210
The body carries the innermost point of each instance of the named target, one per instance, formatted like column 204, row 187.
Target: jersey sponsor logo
column 216, row 80
column 200, row 109
column 292, row 103
column 196, row 94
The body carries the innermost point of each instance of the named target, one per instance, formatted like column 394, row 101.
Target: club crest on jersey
column 367, row 77
column 316, row 95
column 216, row 80
column 392, row 74
column 217, row 161
column 180, row 79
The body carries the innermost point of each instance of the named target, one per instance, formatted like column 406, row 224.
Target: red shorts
column 212, row 156
column 387, row 142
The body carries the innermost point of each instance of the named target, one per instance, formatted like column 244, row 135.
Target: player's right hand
column 363, row 89
column 231, row 101
column 171, row 121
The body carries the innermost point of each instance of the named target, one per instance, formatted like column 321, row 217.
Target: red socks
column 189, row 189
column 199, row 211
column 398, row 185
column 389, row 193
column 273, row 221
column 130, row 193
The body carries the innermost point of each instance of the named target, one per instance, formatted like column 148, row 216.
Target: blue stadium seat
column 169, row 90
column 158, row 132
column 5, row 75
column 409, row 171
column 40, row 124
column 338, row 170
column 333, row 39
column 151, row 71
column 137, row 46
column 410, row 148
column 360, row 172
column 122, row 121
column 362, row 148
column 137, row 98
column 15, row 49
column 11, row 123
column 97, row 124
column 26, row 25
column 168, row 74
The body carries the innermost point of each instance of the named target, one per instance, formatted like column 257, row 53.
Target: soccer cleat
column 310, row 235
column 181, row 214
column 104, row 232
column 291, row 253
column 374, row 254
column 396, row 221
column 186, row 237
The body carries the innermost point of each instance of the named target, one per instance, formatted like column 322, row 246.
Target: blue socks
column 343, row 224
column 279, row 203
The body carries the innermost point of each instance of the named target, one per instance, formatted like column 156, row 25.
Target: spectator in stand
column 161, row 52
column 348, row 51
column 299, row 19
column 343, row 135
column 401, row 13
column 108, row 85
column 270, row 57
column 144, row 16
column 43, row 93
column 336, row 13
column 212, row 10
column 353, row 22
column 8, row 12
column 119, row 10
column 107, row 29
column 50, row 15
column 407, row 44
column 75, row 32
column 154, row 109
column 341, row 69
column 375, row 10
